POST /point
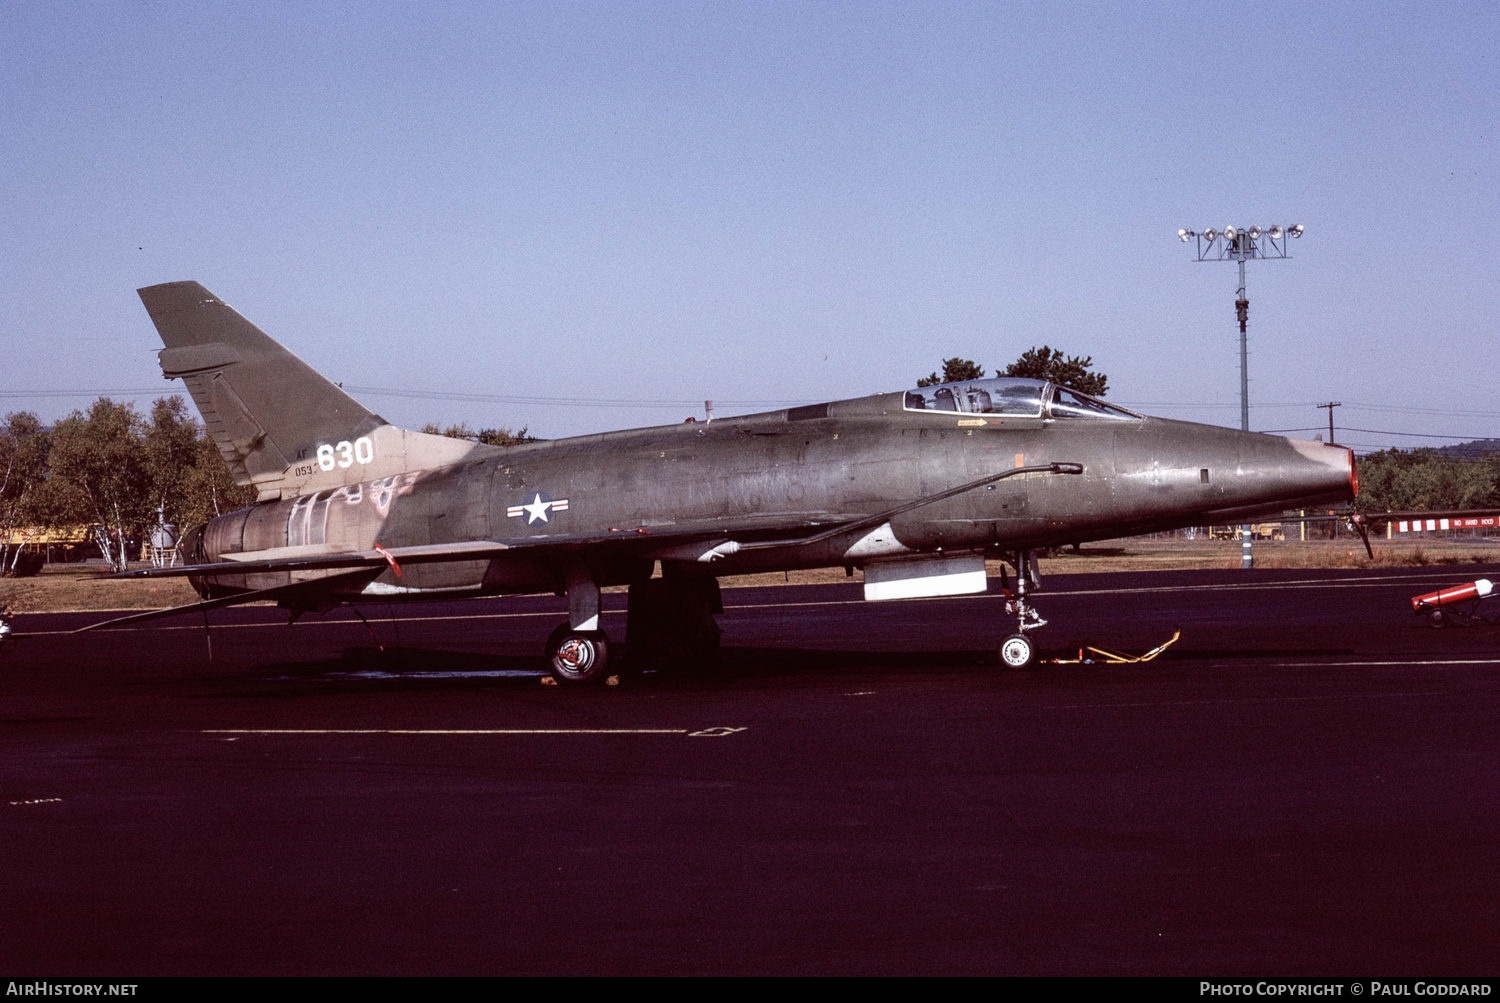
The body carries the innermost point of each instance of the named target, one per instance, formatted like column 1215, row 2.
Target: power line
column 447, row 395
column 117, row 391
column 1395, row 408
column 1381, row 431
column 580, row 401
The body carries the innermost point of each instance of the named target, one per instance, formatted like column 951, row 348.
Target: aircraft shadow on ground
column 366, row 669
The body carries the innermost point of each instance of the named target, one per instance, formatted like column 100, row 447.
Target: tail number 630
column 345, row 454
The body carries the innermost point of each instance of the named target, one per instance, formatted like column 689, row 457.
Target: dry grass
column 66, row 587
column 71, row 587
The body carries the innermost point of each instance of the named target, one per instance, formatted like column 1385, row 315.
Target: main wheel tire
column 1017, row 652
column 577, row 656
column 1437, row 618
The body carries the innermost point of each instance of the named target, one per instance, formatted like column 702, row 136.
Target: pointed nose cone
column 1271, row 474
column 1207, row 474
column 1328, row 467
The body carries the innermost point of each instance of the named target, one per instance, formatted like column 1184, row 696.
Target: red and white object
column 1458, row 593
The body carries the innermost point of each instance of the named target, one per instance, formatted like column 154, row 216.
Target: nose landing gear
column 1018, row 651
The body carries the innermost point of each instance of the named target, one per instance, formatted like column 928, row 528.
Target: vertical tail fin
column 275, row 419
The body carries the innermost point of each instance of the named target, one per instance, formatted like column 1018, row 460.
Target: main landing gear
column 577, row 651
column 670, row 623
column 1018, row 651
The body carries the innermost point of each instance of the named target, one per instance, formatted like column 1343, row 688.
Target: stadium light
column 1241, row 244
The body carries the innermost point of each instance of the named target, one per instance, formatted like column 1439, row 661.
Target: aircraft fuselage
column 756, row 478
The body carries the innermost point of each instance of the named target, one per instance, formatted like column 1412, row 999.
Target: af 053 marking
column 345, row 454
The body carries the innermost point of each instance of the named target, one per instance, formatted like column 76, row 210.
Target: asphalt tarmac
column 1307, row 783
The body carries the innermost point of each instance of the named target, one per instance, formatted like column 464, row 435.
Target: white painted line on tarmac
column 1414, row 580
column 1405, row 661
column 716, row 731
column 1352, row 583
column 1325, row 698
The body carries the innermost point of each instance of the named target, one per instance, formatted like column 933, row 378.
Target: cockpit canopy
column 1012, row 396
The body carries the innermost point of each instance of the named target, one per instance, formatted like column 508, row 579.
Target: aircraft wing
column 292, row 591
column 642, row 542
column 323, row 559
column 359, row 567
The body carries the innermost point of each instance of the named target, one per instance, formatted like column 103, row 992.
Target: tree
column 98, row 468
column 209, row 489
column 1395, row 480
column 505, row 437
column 954, row 370
column 1047, row 363
column 24, row 444
column 486, row 436
column 189, row 483
column 171, row 456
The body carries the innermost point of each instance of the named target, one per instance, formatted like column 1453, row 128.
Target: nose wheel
column 1018, row 651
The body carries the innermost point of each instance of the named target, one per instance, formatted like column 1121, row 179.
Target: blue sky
column 576, row 217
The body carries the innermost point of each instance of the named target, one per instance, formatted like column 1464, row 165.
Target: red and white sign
column 1448, row 522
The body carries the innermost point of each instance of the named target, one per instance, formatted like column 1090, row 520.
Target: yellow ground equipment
column 1090, row 655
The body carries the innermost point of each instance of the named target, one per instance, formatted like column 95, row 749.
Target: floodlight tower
column 1236, row 243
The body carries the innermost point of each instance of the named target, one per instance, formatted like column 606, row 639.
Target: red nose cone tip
column 1335, row 461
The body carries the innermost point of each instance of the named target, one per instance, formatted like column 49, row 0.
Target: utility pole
column 1241, row 244
column 1330, row 406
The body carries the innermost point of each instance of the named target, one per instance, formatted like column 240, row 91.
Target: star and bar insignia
column 536, row 510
